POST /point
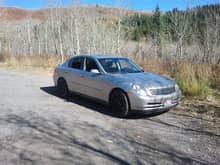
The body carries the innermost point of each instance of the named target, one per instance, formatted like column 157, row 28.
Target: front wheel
column 62, row 88
column 119, row 103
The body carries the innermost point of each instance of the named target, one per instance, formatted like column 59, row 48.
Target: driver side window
column 91, row 64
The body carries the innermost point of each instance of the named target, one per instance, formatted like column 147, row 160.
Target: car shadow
column 97, row 106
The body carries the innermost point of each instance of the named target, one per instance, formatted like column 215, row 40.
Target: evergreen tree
column 157, row 29
column 156, row 22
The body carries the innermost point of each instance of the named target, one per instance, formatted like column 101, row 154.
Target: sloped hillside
column 18, row 14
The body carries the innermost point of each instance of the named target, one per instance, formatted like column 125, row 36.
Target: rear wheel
column 62, row 88
column 119, row 103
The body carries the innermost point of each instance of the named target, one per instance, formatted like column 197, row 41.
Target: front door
column 93, row 82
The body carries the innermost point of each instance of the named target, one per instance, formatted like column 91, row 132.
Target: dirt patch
column 208, row 109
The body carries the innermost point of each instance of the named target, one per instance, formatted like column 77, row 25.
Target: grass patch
column 193, row 79
column 35, row 64
column 31, row 61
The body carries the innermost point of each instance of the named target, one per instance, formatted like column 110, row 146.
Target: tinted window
column 77, row 63
column 91, row 64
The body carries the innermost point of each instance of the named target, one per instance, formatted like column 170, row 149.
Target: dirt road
column 37, row 127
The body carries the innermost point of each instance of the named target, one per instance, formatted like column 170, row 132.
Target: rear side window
column 77, row 63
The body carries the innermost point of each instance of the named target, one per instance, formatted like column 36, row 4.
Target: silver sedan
column 116, row 81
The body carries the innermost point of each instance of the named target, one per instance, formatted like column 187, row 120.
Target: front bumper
column 149, row 103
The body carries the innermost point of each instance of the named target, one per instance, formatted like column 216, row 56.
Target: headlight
column 138, row 90
column 136, row 87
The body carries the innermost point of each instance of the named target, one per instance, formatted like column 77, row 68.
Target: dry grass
column 2, row 58
column 215, row 76
column 156, row 65
column 37, row 64
column 34, row 61
column 31, row 61
column 193, row 79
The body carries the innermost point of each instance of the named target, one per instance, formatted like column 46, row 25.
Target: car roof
column 97, row 56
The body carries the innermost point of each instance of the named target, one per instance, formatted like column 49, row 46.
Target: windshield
column 119, row 65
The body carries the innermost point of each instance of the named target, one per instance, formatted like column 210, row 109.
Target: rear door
column 75, row 72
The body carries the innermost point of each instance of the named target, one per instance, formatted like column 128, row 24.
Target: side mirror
column 95, row 71
column 142, row 69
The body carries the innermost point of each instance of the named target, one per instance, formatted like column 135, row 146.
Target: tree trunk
column 77, row 37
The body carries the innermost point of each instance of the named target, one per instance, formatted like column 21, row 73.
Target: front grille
column 162, row 91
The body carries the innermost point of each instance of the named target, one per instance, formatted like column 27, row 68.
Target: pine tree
column 157, row 30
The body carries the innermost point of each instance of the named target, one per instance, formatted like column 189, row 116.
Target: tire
column 62, row 88
column 119, row 103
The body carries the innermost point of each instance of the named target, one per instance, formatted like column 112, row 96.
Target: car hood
column 146, row 80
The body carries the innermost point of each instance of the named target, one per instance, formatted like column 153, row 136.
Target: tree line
column 198, row 26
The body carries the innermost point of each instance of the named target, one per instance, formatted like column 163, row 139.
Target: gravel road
column 37, row 127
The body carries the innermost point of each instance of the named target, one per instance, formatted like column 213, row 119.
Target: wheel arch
column 115, row 89
column 61, row 78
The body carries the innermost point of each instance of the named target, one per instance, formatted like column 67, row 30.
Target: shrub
column 193, row 79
